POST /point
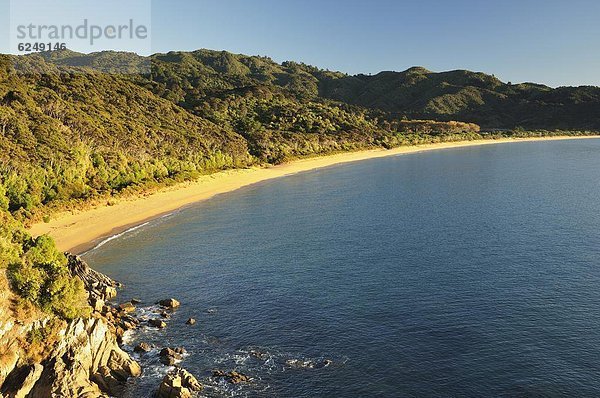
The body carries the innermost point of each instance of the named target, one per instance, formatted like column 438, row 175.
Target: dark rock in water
column 308, row 364
column 128, row 325
column 211, row 311
column 323, row 364
column 157, row 323
column 178, row 384
column 233, row 377
column 170, row 356
column 168, row 361
column 259, row 355
column 165, row 315
column 169, row 303
column 190, row 321
column 142, row 347
column 129, row 318
column 136, row 301
column 168, row 351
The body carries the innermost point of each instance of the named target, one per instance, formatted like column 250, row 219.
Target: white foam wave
column 113, row 237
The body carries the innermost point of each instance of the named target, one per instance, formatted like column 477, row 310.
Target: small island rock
column 142, row 347
column 233, row 377
column 169, row 303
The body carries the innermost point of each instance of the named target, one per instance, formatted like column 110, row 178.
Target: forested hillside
column 77, row 126
column 193, row 79
column 70, row 132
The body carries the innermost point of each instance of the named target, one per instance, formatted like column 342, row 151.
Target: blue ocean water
column 468, row 272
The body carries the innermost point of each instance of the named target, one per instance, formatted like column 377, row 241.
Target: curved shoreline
column 80, row 231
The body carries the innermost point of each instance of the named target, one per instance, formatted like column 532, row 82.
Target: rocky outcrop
column 178, row 384
column 87, row 362
column 84, row 361
column 98, row 285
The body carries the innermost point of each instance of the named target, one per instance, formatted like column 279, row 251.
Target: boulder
column 170, row 356
column 169, row 303
column 178, row 384
column 128, row 325
column 157, row 323
column 233, row 377
column 190, row 322
column 142, row 347
column 170, row 387
column 259, row 355
column 189, row 381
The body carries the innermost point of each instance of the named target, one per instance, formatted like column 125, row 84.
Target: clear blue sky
column 556, row 42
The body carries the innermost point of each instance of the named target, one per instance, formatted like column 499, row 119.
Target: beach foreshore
column 81, row 230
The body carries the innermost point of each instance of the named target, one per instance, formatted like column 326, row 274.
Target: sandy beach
column 79, row 231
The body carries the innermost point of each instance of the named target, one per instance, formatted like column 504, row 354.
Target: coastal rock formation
column 98, row 285
column 82, row 359
column 86, row 362
column 178, row 384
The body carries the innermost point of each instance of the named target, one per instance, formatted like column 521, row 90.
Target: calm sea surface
column 470, row 272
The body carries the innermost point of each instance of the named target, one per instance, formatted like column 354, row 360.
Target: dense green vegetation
column 69, row 133
column 76, row 127
column 195, row 79
column 469, row 96
column 38, row 272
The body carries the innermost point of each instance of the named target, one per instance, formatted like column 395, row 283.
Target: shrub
column 42, row 277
